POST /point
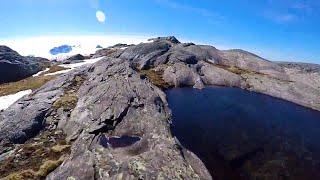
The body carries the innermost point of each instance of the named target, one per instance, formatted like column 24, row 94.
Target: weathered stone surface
column 14, row 67
column 143, row 55
column 248, row 61
column 112, row 98
column 302, row 67
column 180, row 75
column 171, row 39
column 184, row 63
column 212, row 75
column 110, row 51
column 25, row 118
column 77, row 57
column 115, row 101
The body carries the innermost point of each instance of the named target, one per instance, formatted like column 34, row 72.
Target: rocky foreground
column 111, row 120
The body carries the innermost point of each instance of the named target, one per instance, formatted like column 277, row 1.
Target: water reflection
column 118, row 142
column 243, row 135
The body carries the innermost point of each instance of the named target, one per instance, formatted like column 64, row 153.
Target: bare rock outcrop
column 14, row 67
column 187, row 64
column 114, row 116
column 118, row 126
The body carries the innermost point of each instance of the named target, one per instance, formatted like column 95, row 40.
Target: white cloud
column 41, row 45
column 101, row 17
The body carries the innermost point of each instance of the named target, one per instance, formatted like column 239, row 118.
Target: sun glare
column 100, row 16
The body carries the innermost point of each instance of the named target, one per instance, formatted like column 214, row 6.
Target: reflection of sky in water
column 118, row 142
column 237, row 124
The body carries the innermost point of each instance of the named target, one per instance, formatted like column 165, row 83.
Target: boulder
column 77, row 57
column 14, row 67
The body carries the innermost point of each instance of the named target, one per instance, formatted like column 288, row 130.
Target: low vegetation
column 29, row 83
column 54, row 68
column 155, row 77
column 69, row 99
column 236, row 70
column 25, row 84
column 39, row 156
column 36, row 158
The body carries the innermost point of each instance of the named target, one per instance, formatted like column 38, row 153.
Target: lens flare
column 100, row 16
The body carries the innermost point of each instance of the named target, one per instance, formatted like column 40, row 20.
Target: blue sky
column 275, row 29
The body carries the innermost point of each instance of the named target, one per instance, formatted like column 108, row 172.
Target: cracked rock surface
column 101, row 107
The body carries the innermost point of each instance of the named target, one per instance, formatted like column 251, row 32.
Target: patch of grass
column 29, row 83
column 60, row 148
column 236, row 70
column 25, row 84
column 155, row 77
column 26, row 174
column 48, row 166
column 69, row 99
column 54, row 68
column 36, row 158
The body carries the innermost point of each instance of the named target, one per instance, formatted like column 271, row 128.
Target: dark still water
column 244, row 135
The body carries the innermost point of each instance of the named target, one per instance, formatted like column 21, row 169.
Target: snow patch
column 6, row 101
column 40, row 72
column 75, row 65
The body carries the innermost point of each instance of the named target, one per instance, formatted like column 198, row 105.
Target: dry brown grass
column 29, row 83
column 235, row 69
column 54, row 68
column 156, row 78
column 48, row 166
column 36, row 158
column 25, row 84
column 69, row 99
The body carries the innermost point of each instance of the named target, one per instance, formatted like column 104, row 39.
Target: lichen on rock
column 121, row 95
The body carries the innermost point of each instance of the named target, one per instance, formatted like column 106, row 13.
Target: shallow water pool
column 245, row 135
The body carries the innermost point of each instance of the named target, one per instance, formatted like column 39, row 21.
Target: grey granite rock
column 114, row 101
column 115, row 104
column 14, row 67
